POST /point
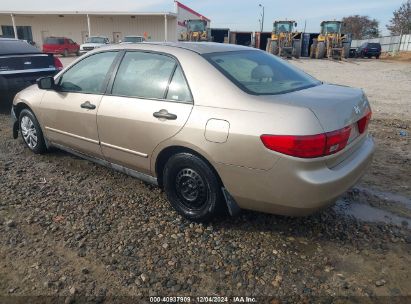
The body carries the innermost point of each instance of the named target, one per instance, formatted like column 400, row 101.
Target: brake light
column 57, row 64
column 363, row 123
column 308, row 146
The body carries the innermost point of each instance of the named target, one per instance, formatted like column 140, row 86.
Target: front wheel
column 192, row 187
column 31, row 132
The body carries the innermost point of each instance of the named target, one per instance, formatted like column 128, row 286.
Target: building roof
column 90, row 13
column 185, row 7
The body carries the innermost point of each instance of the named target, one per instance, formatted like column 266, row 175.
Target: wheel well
column 165, row 155
column 20, row 107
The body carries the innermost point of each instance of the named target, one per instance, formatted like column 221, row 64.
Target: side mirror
column 295, row 24
column 46, row 83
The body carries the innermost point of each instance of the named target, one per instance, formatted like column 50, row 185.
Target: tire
column 346, row 50
column 313, row 49
column 377, row 57
column 31, row 132
column 78, row 53
column 65, row 53
column 274, row 47
column 297, row 48
column 320, row 51
column 192, row 187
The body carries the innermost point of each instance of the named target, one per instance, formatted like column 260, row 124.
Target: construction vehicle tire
column 274, row 47
column 297, row 48
column 313, row 49
column 320, row 51
column 346, row 50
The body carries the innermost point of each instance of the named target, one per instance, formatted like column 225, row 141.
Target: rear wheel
column 192, row 187
column 346, row 50
column 274, row 47
column 297, row 48
column 313, row 49
column 377, row 57
column 31, row 132
column 320, row 51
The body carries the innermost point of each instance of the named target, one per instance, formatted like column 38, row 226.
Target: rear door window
column 144, row 75
column 178, row 89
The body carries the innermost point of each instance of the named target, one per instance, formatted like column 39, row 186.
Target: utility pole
column 262, row 18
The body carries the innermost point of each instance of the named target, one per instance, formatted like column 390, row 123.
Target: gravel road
column 71, row 228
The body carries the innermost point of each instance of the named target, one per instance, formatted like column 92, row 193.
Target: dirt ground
column 73, row 229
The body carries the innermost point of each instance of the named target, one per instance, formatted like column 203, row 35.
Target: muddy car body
column 214, row 125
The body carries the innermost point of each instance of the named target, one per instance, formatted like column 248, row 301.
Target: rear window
column 374, row 45
column 260, row 73
column 52, row 40
column 11, row 46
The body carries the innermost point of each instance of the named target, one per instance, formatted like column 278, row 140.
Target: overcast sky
column 234, row 14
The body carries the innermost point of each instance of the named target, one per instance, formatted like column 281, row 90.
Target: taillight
column 308, row 146
column 337, row 140
column 57, row 64
column 363, row 123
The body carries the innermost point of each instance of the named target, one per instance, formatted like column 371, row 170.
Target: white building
column 77, row 25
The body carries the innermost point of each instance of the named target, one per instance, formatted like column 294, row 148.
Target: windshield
column 260, row 73
column 331, row 27
column 196, row 26
column 96, row 40
column 53, row 40
column 282, row 27
column 133, row 39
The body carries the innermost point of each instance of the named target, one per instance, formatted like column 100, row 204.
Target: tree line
column 363, row 27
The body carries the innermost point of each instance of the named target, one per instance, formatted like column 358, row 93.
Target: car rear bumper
column 293, row 187
column 12, row 83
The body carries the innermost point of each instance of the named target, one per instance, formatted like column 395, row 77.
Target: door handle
column 88, row 105
column 164, row 114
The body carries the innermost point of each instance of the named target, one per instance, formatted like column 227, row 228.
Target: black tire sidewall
column 187, row 160
column 41, row 146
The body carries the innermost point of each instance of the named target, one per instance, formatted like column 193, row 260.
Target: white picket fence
column 388, row 43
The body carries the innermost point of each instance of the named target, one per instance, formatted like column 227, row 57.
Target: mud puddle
column 356, row 207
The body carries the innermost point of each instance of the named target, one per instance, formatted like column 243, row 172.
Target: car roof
column 10, row 46
column 197, row 47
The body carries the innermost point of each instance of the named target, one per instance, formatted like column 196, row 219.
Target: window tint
column 178, row 89
column 260, row 73
column 89, row 74
column 143, row 75
column 53, row 40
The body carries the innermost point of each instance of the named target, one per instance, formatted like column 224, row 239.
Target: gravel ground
column 71, row 228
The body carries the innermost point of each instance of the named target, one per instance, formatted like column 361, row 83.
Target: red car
column 60, row 45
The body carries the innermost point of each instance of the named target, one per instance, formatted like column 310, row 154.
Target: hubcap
column 191, row 189
column 28, row 130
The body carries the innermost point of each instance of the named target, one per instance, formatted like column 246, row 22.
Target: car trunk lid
column 335, row 107
column 13, row 64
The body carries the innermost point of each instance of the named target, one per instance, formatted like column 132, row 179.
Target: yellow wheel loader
column 285, row 42
column 330, row 43
column 196, row 30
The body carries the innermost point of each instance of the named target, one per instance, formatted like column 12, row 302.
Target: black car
column 20, row 65
column 369, row 49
